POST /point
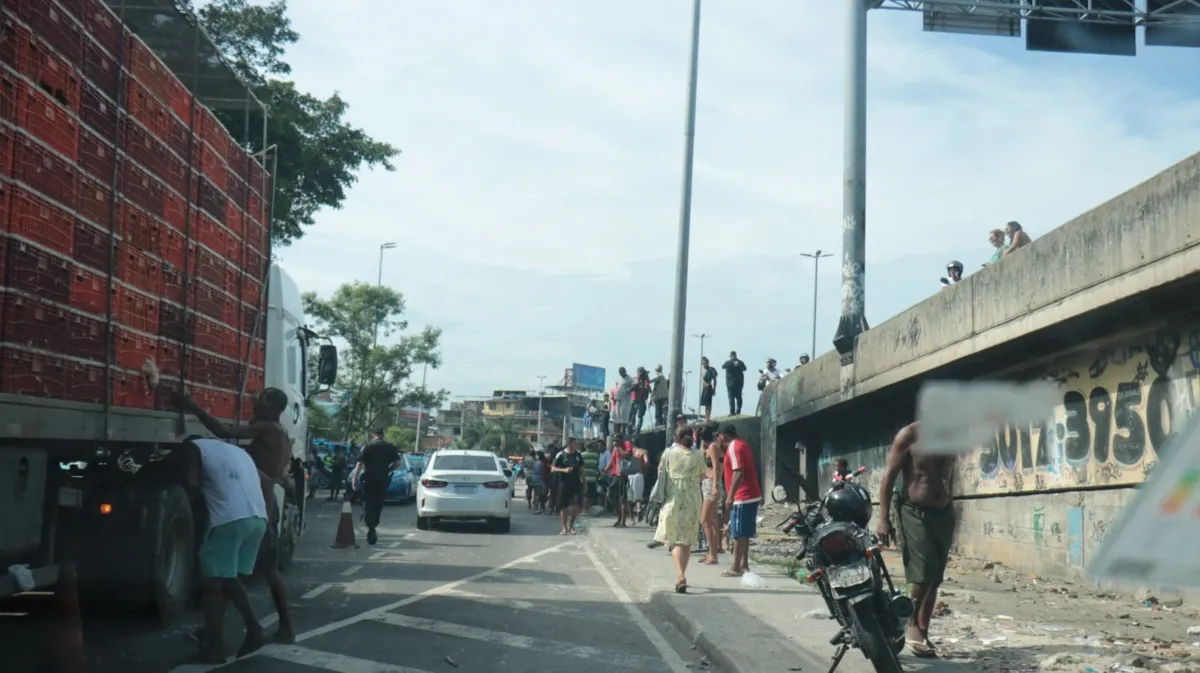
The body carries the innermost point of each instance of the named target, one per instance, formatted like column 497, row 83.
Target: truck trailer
column 135, row 261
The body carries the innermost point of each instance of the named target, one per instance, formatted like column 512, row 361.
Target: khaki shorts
column 711, row 490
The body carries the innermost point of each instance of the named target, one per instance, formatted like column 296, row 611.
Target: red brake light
column 836, row 543
column 496, row 484
column 433, row 483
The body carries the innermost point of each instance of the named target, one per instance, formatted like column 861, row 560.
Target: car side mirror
column 327, row 365
column 508, row 473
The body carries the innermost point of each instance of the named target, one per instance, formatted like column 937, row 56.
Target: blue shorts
column 231, row 549
column 743, row 520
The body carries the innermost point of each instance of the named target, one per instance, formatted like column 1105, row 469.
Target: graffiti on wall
column 1120, row 406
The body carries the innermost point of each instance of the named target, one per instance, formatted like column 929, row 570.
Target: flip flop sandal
column 730, row 573
column 921, row 649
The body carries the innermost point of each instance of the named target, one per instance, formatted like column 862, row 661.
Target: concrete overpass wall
column 1095, row 306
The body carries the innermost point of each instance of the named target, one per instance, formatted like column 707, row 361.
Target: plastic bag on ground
column 752, row 581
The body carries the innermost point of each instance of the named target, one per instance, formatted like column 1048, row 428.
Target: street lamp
column 379, row 283
column 685, row 226
column 421, row 411
column 702, row 336
column 816, row 258
column 541, row 397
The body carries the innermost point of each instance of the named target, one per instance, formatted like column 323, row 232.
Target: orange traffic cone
column 69, row 647
column 345, row 531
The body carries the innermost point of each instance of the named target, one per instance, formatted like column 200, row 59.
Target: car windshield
column 473, row 463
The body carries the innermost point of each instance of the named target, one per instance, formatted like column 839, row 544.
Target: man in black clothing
column 377, row 460
column 568, row 465
column 735, row 380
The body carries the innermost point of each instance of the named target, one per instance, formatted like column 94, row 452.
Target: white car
column 507, row 468
column 464, row 485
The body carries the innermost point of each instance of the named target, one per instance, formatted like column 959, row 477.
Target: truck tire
column 289, row 532
column 173, row 582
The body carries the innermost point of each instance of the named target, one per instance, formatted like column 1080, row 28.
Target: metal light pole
column 541, row 398
column 816, row 258
column 685, row 225
column 683, row 403
column 379, row 283
column 421, row 412
column 853, row 320
column 702, row 336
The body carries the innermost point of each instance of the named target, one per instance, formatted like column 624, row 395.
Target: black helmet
column 850, row 503
column 954, row 264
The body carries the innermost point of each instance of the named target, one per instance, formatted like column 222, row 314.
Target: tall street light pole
column 541, row 398
column 816, row 258
column 702, row 336
column 421, row 412
column 685, row 225
column 379, row 283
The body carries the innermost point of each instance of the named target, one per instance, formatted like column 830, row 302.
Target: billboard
column 587, row 376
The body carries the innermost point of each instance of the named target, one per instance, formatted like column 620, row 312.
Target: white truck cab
column 287, row 354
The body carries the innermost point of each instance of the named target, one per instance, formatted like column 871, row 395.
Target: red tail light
column 835, row 544
column 496, row 484
column 433, row 483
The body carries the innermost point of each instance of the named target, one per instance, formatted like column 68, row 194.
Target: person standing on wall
column 639, row 393
column 622, row 401
column 660, row 392
column 376, row 463
column 927, row 522
column 735, row 381
column 708, row 387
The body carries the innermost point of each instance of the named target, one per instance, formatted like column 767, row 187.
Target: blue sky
column 536, row 204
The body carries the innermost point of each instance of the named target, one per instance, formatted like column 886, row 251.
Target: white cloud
column 542, row 164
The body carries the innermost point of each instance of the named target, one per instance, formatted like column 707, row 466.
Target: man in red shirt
column 743, row 496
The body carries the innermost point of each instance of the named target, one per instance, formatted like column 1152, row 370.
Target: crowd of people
column 1004, row 242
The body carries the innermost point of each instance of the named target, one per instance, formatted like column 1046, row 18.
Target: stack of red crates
column 112, row 179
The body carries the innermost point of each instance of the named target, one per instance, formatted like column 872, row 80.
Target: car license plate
column 465, row 490
column 848, row 576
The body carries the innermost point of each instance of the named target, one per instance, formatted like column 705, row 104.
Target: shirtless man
column 927, row 523
column 271, row 450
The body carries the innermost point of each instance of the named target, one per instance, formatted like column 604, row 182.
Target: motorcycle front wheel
column 872, row 641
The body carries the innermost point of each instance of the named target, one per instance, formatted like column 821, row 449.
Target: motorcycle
column 844, row 563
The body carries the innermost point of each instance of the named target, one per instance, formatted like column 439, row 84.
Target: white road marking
column 377, row 555
column 329, row 661
column 539, row 607
column 394, row 545
column 409, row 535
column 351, row 570
column 317, row 591
column 634, row 661
column 669, row 655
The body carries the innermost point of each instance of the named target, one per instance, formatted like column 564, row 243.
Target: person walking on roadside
column 569, row 467
column 713, row 489
column 236, row 498
column 678, row 489
column 337, row 473
column 660, row 392
column 541, row 494
column 708, row 387
column 376, row 463
column 742, row 497
column 927, row 523
column 735, row 381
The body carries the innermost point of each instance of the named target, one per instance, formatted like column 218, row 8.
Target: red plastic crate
column 133, row 349
column 44, row 171
column 94, row 199
column 55, row 75
column 10, row 96
column 175, row 212
column 51, row 23
column 233, row 281
column 23, row 372
column 258, row 351
column 210, row 336
column 250, row 320
column 85, row 383
column 172, row 283
column 6, row 151
column 102, row 25
column 5, row 198
column 139, row 269
column 137, row 310
column 254, row 211
column 96, row 156
column 91, row 246
column 233, row 219
column 142, row 188
column 33, row 322
column 257, row 176
column 98, row 112
column 170, row 321
column 167, row 355
column 148, row 70
column 217, row 136
column 131, row 391
column 42, row 117
column 144, row 107
column 247, row 407
column 254, row 263
column 180, row 100
column 179, row 138
column 89, row 292
column 251, row 289
column 171, row 247
column 41, row 221
column 87, row 336
column 212, row 165
column 146, row 149
column 100, row 69
column 214, row 237
column 208, row 301
column 218, row 403
column 38, row 272
column 138, row 228
column 210, row 267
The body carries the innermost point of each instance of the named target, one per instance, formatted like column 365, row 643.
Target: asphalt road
column 459, row 598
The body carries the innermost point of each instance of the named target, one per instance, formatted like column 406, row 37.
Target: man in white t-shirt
column 236, row 498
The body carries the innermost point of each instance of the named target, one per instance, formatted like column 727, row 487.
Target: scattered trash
column 941, row 609
column 451, row 661
column 992, row 641
column 1004, row 618
column 819, row 613
column 752, row 581
column 1192, row 630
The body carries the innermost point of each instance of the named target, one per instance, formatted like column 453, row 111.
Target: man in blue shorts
column 743, row 495
column 236, row 498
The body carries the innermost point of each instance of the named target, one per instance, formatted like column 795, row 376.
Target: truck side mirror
column 327, row 365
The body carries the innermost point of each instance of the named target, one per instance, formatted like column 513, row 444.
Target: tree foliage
column 501, row 436
column 375, row 377
column 402, row 438
column 318, row 152
column 322, row 425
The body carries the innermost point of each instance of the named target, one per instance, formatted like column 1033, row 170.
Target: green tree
column 322, row 425
column 402, row 438
column 375, row 377
column 501, row 436
column 319, row 153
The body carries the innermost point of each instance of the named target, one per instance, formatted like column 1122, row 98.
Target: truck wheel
column 174, row 579
column 289, row 531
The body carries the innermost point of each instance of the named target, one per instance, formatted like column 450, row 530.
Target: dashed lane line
column 317, row 591
column 351, row 570
column 329, row 661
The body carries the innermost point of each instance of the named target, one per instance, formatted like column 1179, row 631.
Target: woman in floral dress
column 680, row 470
